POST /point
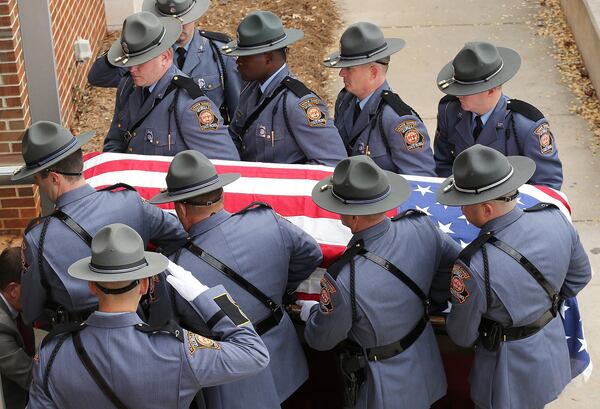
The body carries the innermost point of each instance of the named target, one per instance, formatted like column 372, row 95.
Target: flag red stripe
column 552, row 193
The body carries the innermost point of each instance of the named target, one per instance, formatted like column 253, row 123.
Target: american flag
column 287, row 189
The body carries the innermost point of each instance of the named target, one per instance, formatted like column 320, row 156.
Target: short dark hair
column 11, row 266
column 282, row 52
column 71, row 164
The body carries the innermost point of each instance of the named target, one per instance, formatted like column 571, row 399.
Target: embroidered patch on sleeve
column 546, row 139
column 314, row 114
column 207, row 120
column 457, row 283
column 413, row 139
column 325, row 301
column 196, row 342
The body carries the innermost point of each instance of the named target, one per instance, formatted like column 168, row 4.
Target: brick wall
column 18, row 205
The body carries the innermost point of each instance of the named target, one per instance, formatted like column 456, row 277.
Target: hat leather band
column 448, row 82
column 126, row 268
column 368, row 54
column 362, row 201
column 183, row 13
column 53, row 155
column 267, row 43
column 186, row 189
column 155, row 43
column 484, row 188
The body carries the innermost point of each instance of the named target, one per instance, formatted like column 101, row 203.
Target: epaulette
column 213, row 35
column 335, row 267
column 468, row 252
column 396, row 103
column 448, row 98
column 525, row 109
column 34, row 222
column 187, row 83
column 173, row 247
column 540, row 206
column 117, row 187
column 408, row 213
column 252, row 206
column 170, row 328
column 61, row 329
column 296, row 86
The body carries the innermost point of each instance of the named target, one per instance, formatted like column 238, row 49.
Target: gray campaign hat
column 186, row 11
column 192, row 174
column 359, row 187
column 118, row 255
column 478, row 67
column 480, row 174
column 143, row 38
column 260, row 32
column 362, row 43
column 46, row 143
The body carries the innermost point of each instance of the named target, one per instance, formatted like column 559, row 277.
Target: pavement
column 434, row 32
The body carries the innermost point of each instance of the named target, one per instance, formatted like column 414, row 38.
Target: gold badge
column 196, row 342
column 546, row 139
column 413, row 139
column 458, row 289
column 207, row 120
column 314, row 114
column 325, row 301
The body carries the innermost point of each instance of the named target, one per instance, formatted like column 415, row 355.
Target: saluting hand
column 188, row 286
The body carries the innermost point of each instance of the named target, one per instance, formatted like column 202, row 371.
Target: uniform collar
column 272, row 79
column 73, row 195
column 102, row 320
column 500, row 223
column 484, row 117
column 372, row 232
column 209, row 223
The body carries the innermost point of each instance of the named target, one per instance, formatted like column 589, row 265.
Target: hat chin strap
column 453, row 185
column 362, row 201
column 121, row 290
column 446, row 83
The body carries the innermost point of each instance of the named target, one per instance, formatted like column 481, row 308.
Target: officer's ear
column 144, row 285
column 92, row 288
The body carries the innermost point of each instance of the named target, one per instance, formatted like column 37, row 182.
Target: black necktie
column 478, row 127
column 146, row 93
column 27, row 335
column 180, row 57
column 356, row 112
column 259, row 95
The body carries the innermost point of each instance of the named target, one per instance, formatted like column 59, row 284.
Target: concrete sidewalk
column 434, row 32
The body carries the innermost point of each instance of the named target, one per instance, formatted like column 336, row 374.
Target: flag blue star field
column 287, row 188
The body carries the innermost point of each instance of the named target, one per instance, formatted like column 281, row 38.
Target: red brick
column 25, row 191
column 15, row 147
column 11, row 114
column 11, row 136
column 8, row 192
column 9, row 90
column 12, row 125
column 9, row 213
column 12, row 102
column 8, row 67
column 15, row 223
column 5, row 148
column 12, row 203
column 29, row 213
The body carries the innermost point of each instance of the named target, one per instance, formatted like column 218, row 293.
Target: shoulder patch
column 314, row 114
column 458, row 289
column 448, row 98
column 187, row 83
column 327, row 289
column 207, row 120
column 216, row 36
column 545, row 138
column 408, row 213
column 296, row 86
column 540, row 206
column 396, row 103
column 196, row 342
column 34, row 222
column 413, row 139
column 525, row 109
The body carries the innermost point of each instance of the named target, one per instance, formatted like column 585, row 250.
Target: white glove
column 306, row 307
column 184, row 282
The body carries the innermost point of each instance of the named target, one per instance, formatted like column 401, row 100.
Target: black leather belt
column 61, row 316
column 516, row 333
column 395, row 348
column 270, row 322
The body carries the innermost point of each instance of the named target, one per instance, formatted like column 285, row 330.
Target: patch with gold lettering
column 325, row 301
column 196, row 342
column 546, row 138
column 207, row 120
column 413, row 139
column 314, row 114
column 458, row 289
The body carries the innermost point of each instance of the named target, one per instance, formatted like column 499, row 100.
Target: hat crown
column 174, row 7
column 140, row 30
column 259, row 28
column 116, row 245
column 42, row 139
column 476, row 61
column 189, row 169
column 480, row 166
column 359, row 178
column 361, row 39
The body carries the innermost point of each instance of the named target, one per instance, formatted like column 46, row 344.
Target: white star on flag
column 464, row 218
column 445, row 227
column 464, row 244
column 424, row 210
column 583, row 343
column 519, row 200
column 563, row 308
column 422, row 190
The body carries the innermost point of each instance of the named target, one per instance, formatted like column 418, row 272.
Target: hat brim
column 512, row 63
column 173, row 30
column 334, row 60
column 400, row 191
column 192, row 15
column 292, row 35
column 24, row 172
column 224, row 180
column 523, row 168
column 157, row 263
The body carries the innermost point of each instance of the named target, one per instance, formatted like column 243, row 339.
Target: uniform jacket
column 160, row 133
column 530, row 372
column 533, row 139
column 147, row 370
column 62, row 247
column 403, row 147
column 275, row 256
column 201, row 63
column 15, row 364
column 386, row 310
column 315, row 139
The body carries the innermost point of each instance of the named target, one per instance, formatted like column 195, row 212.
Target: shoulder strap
column 216, row 36
column 94, row 373
column 120, row 186
column 525, row 109
column 296, row 86
column 540, row 206
column 448, row 98
column 233, row 276
column 34, row 222
column 188, row 84
column 252, row 206
column 250, row 120
column 467, row 253
column 62, row 331
column 396, row 103
column 170, row 328
column 73, row 225
column 408, row 213
column 336, row 266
